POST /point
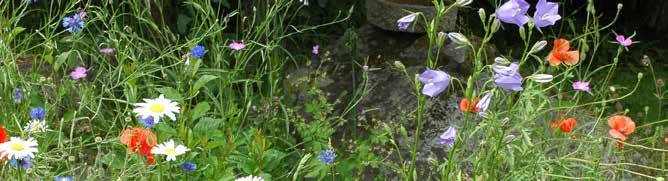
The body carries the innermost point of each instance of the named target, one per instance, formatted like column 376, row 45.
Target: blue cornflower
column 188, row 167
column 63, row 178
column 198, row 51
column 327, row 156
column 18, row 96
column 148, row 122
column 21, row 163
column 37, row 113
column 74, row 23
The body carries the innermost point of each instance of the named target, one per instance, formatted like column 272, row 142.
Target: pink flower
column 83, row 14
column 107, row 50
column 315, row 49
column 78, row 73
column 237, row 46
column 624, row 41
column 580, row 85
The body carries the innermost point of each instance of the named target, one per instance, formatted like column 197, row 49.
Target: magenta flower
column 78, row 73
column 624, row 41
column 448, row 137
column 406, row 21
column 547, row 13
column 315, row 49
column 435, row 82
column 582, row 86
column 513, row 12
column 107, row 50
column 237, row 46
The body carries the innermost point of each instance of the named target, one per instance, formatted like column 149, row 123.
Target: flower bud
column 501, row 61
column 496, row 24
column 399, row 65
column 538, row 46
column 640, row 75
column 542, row 78
column 509, row 138
column 482, row 14
column 660, row 83
column 463, row 3
column 646, row 61
column 441, row 38
column 458, row 38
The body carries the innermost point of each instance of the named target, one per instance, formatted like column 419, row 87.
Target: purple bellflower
column 435, row 82
column 513, row 12
column 547, row 13
column 507, row 77
column 448, row 137
column 406, row 21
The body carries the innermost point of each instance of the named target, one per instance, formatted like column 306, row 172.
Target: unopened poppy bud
column 646, row 108
column 98, row 139
column 640, row 74
column 612, row 89
column 620, row 6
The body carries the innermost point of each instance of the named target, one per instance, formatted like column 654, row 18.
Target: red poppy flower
column 665, row 140
column 464, row 105
column 561, row 54
column 140, row 140
column 566, row 125
column 3, row 138
column 621, row 126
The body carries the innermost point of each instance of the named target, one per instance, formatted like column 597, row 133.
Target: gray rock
column 385, row 13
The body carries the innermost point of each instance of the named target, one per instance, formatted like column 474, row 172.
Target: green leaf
column 182, row 23
column 200, row 110
column 61, row 59
column 15, row 31
column 206, row 125
column 170, row 93
column 202, row 81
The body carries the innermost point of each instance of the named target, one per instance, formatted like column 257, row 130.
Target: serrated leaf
column 202, row 81
column 200, row 110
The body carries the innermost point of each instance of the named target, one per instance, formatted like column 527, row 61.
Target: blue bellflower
column 513, row 12
column 448, row 137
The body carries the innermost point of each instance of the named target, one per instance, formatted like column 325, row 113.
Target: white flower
column 170, row 149
column 16, row 148
column 249, row 178
column 35, row 126
column 304, row 1
column 157, row 108
column 459, row 39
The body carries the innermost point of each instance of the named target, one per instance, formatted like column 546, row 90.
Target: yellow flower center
column 171, row 151
column 156, row 108
column 16, row 146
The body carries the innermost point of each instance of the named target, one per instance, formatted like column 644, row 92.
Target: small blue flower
column 74, row 23
column 21, row 163
column 18, row 96
column 37, row 113
column 198, row 51
column 188, row 167
column 327, row 156
column 148, row 122
column 63, row 178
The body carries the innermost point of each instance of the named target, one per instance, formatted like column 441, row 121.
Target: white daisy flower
column 249, row 178
column 35, row 126
column 16, row 148
column 170, row 149
column 157, row 108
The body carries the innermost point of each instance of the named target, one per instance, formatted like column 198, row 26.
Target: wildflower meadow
column 267, row 90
